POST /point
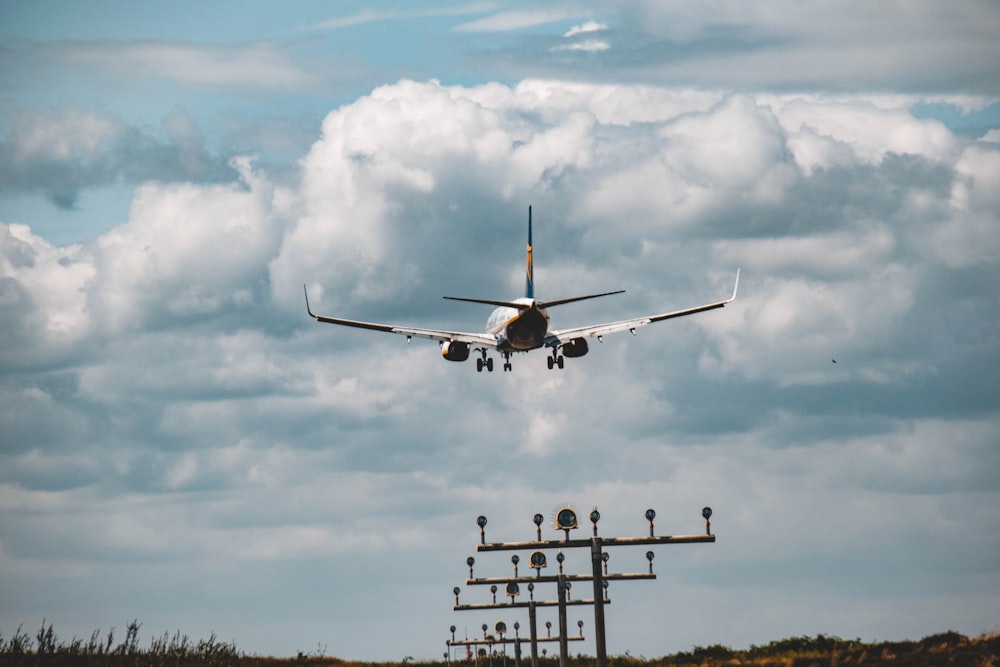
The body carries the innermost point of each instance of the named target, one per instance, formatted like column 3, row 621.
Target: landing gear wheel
column 484, row 362
column 559, row 361
column 552, row 363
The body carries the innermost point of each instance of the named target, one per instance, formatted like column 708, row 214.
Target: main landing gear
column 484, row 362
column 555, row 360
column 487, row 363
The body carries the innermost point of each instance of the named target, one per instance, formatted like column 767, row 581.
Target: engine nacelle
column 576, row 348
column 454, row 350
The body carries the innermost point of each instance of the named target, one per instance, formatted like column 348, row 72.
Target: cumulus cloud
column 140, row 273
column 176, row 231
column 164, row 374
column 970, row 238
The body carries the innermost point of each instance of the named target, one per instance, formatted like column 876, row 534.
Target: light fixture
column 566, row 520
column 481, row 521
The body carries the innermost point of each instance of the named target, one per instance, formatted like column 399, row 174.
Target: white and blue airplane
column 521, row 325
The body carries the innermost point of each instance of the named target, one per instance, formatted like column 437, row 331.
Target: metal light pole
column 566, row 521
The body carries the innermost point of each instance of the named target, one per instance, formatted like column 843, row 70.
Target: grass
column 178, row 650
column 948, row 648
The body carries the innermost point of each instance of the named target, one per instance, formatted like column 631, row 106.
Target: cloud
column 61, row 154
column 364, row 16
column 785, row 46
column 258, row 66
column 969, row 238
column 519, row 19
column 584, row 44
column 42, row 296
column 173, row 414
column 182, row 230
column 370, row 15
column 590, row 45
column 585, row 28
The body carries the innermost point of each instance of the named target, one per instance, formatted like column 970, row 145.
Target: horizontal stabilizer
column 539, row 304
column 490, row 302
column 559, row 302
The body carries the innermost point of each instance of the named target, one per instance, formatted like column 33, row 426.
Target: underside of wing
column 561, row 337
column 475, row 339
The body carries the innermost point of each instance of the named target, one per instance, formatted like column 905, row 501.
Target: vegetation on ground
column 947, row 648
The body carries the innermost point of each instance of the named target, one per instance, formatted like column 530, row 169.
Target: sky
column 180, row 444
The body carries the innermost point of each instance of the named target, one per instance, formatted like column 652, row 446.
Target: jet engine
column 453, row 350
column 576, row 348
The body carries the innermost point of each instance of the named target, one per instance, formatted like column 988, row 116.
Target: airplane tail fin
column 529, row 288
column 529, row 283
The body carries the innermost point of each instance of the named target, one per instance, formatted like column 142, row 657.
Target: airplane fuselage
column 519, row 330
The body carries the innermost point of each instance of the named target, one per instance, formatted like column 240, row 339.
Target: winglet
column 736, row 286
column 307, row 302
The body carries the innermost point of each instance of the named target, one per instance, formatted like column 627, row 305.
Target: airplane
column 521, row 325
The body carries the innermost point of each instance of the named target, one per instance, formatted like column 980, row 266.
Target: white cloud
column 371, row 15
column 65, row 153
column 226, row 233
column 165, row 380
column 971, row 237
column 589, row 46
column 854, row 45
column 254, row 66
column 586, row 44
column 519, row 19
column 74, row 134
column 45, row 294
column 585, row 28
column 842, row 253
column 822, row 129
column 696, row 163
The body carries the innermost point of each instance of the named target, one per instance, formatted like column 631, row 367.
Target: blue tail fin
column 529, row 285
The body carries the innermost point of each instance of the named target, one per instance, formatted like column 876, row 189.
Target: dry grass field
column 947, row 648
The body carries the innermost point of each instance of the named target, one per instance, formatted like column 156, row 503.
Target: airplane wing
column 556, row 338
column 475, row 339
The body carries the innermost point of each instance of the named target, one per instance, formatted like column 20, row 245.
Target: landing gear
column 555, row 360
column 487, row 362
column 484, row 362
